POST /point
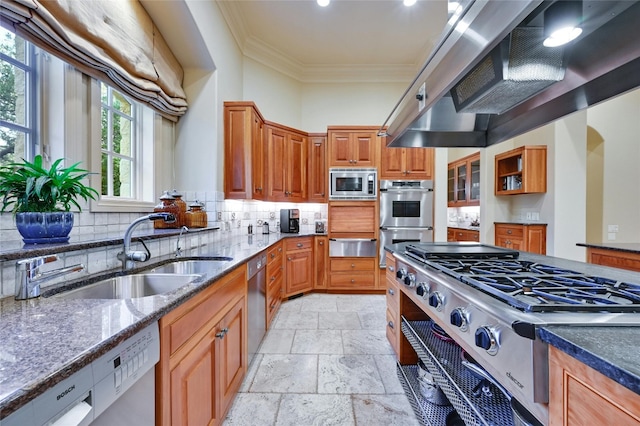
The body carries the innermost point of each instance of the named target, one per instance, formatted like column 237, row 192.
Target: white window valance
column 112, row 40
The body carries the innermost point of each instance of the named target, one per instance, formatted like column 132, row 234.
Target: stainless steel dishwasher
column 256, row 303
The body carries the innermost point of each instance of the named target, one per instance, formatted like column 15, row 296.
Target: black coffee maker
column 290, row 221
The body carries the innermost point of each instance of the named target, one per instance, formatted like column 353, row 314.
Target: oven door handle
column 482, row 373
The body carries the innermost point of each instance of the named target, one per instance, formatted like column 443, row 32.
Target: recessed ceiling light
column 562, row 22
column 323, row 3
column 409, row 2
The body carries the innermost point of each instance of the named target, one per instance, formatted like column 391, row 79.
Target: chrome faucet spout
column 29, row 277
column 127, row 256
column 178, row 248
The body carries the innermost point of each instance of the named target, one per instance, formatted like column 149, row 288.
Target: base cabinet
column 580, row 395
column 203, row 354
column 299, row 265
column 275, row 280
column 614, row 258
column 459, row 234
column 522, row 237
column 393, row 305
column 352, row 273
column 321, row 262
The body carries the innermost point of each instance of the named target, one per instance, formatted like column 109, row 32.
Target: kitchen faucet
column 127, row 256
column 29, row 277
column 178, row 248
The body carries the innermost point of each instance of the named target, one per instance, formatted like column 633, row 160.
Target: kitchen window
column 18, row 100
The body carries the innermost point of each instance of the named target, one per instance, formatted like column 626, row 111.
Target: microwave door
column 406, row 209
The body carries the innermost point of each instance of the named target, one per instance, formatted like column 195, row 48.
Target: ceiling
column 349, row 40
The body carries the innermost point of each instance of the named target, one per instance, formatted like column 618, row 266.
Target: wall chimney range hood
column 489, row 78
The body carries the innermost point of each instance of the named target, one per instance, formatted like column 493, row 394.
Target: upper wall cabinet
column 317, row 178
column 406, row 163
column 522, row 171
column 244, row 176
column 463, row 181
column 287, row 154
column 353, row 146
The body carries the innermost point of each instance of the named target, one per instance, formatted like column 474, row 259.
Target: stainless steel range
column 490, row 300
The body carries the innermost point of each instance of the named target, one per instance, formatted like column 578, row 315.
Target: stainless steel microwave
column 353, row 184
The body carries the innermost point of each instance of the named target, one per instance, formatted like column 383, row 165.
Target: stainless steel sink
column 131, row 286
column 190, row 266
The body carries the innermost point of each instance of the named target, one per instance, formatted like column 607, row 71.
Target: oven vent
column 515, row 70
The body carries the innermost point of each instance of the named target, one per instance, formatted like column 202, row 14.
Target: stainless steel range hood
column 602, row 63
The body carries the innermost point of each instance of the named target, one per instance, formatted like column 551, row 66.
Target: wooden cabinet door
column 340, row 149
column 321, row 257
column 364, row 149
column 536, row 239
column 276, row 153
column 419, row 163
column 580, row 395
column 258, row 160
column 353, row 219
column 193, row 392
column 299, row 277
column 392, row 163
column 317, row 177
column 296, row 168
column 232, row 359
column 237, row 151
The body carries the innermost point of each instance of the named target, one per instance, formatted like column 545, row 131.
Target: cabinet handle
column 259, row 189
column 299, row 244
column 391, row 292
column 352, row 280
column 509, row 231
column 280, row 249
column 408, row 172
column 222, row 333
column 391, row 268
column 322, row 194
column 273, row 278
column 390, row 324
column 353, row 265
column 321, row 243
column 288, row 258
column 273, row 255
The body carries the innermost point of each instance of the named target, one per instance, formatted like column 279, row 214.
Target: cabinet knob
column 353, row 265
column 259, row 189
column 299, row 244
column 321, row 243
column 509, row 231
column 289, row 259
column 352, row 280
column 391, row 292
column 273, row 278
column 390, row 324
column 280, row 249
column 273, row 255
column 391, row 268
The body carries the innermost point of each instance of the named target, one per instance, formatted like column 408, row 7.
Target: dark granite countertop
column 47, row 339
column 628, row 247
column 613, row 351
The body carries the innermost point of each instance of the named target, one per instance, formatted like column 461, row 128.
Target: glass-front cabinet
column 463, row 181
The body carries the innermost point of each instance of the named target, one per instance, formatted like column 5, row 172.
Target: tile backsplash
column 231, row 216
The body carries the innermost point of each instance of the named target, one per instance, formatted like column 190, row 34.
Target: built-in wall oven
column 406, row 212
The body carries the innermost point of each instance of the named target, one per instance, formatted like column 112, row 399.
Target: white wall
column 617, row 121
column 200, row 137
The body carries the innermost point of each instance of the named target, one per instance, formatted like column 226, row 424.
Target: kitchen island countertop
column 610, row 350
column 628, row 247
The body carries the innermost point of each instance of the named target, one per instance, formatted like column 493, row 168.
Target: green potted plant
column 41, row 199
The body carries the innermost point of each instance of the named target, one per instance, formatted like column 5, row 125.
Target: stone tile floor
column 325, row 361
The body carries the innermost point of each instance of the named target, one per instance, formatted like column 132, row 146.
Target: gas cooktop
column 525, row 285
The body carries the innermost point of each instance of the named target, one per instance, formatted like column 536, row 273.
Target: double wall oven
column 406, row 212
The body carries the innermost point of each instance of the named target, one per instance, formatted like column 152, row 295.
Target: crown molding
column 271, row 57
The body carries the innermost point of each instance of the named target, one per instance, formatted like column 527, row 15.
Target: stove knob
column 402, row 272
column 410, row 279
column 460, row 318
column 422, row 290
column 486, row 339
column 436, row 300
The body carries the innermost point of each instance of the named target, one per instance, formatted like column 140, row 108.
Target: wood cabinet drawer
column 274, row 276
column 274, row 254
column 358, row 281
column 344, row 264
column 510, row 231
column 393, row 295
column 193, row 316
column 392, row 330
column 293, row 244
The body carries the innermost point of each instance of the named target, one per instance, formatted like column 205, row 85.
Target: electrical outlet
column 612, row 228
column 529, row 216
column 219, row 216
column 611, row 236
